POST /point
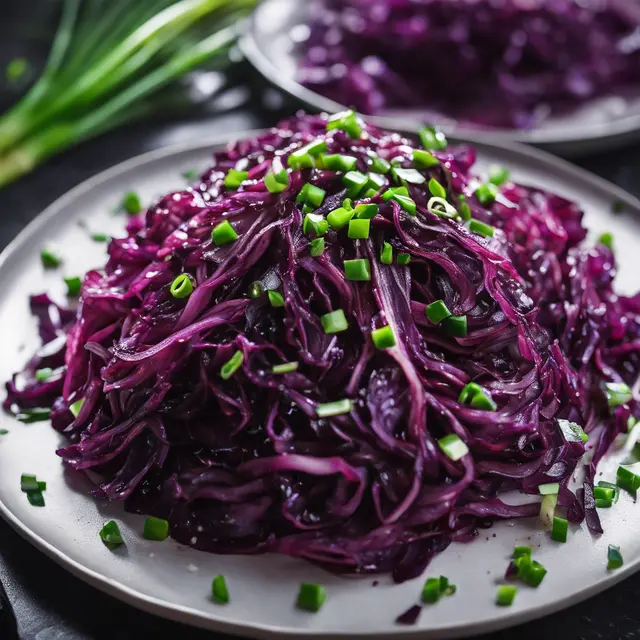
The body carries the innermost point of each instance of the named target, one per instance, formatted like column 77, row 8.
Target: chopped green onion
column 628, row 480
column 383, row 338
column 131, row 203
column 393, row 192
column 473, row 394
column 219, row 590
column 36, row 414
column 50, row 260
column 190, row 175
column 498, row 175
column 559, row 529
column 334, row 322
column 42, row 486
column 74, row 285
column 346, row 121
column 424, row 159
column 455, row 326
column 453, row 447
column 316, row 248
column 440, row 207
column 338, row 218
column 486, row 193
column 468, row 392
column 110, row 535
column 223, row 233
column 408, row 175
column 614, row 558
column 303, row 158
column 618, row 393
column 379, row 165
column 286, row 367
column 43, row 374
column 485, row 230
column 571, row 431
column 463, row 208
column 311, row 195
column 314, row 223
column 530, row 571
column 437, row 189
column 549, row 488
column 431, row 590
column 603, row 503
column 610, row 485
column 437, row 311
column 337, row 408
column 522, row 550
column 155, row 529
column 617, row 207
column 311, row 597
column 505, row 595
column 386, row 255
column 406, row 203
column 275, row 298
column 548, row 508
column 255, row 290
column 404, row 258
column 182, row 286
column 603, row 493
column 28, row 483
column 366, row 211
column 274, row 185
column 355, row 183
column 3, row 432
column 432, row 138
column 35, row 498
column 336, row 162
column 232, row 365
column 375, row 182
column 234, row 178
column 359, row 229
column 76, row 406
column 99, row 237
column 16, row 69
column 357, row 270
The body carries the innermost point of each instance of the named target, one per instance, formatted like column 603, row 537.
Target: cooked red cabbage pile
column 371, row 452
column 503, row 64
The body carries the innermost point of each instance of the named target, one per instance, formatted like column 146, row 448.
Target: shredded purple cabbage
column 244, row 465
column 500, row 64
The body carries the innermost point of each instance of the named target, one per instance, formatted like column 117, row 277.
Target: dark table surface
column 49, row 603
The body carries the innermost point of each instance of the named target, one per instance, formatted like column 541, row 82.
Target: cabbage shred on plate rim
column 361, row 456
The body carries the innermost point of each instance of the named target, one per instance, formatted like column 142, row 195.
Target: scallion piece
column 393, row 192
column 375, row 182
column 50, row 259
column 475, row 396
column 486, row 193
column 303, row 158
column 99, row 237
column 559, row 529
column 358, row 270
column 437, row 189
column 232, row 365
column 522, row 550
column 311, row 195
column 359, row 229
column 607, row 240
column 442, row 208
column 35, row 498
column 603, row 493
column 346, row 121
column 366, row 211
column 274, row 185
column 627, row 480
column 549, row 488
column 530, row 571
column 155, row 529
column 131, row 203
column 408, row 175
column 110, row 535
column 255, row 290
column 355, row 183
column 614, row 558
column 286, row 367
column 234, row 178
column 618, row 393
column 406, row 203
column 455, row 326
column 316, row 248
column 505, row 595
column 379, row 165
column 337, row 162
column 463, row 208
column 42, row 486
column 468, row 392
column 432, row 138
column 4, row 432
column 338, row 218
column 383, row 338
column 315, row 224
column 223, row 233
column 437, row 311
column 610, row 485
column 275, row 298
column 404, row 259
column 28, row 483
column 498, row 175
column 453, row 447
column 337, row 408
column 219, row 590
column 485, row 230
column 74, row 285
column 386, row 254
column 424, row 159
column 182, row 286
column 311, row 597
column 35, row 414
column 76, row 406
column 334, row 322
column 571, row 431
column 43, row 374
column 431, row 591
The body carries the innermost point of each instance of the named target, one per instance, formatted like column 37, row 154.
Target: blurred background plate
column 277, row 27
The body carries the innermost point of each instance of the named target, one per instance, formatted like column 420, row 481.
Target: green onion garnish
column 431, row 590
column 559, row 529
column 110, row 535
column 474, row 395
column 190, row 175
column 43, row 374
column 505, row 595
column 530, row 571
column 468, row 392
column 315, row 224
column 76, row 406
column 379, row 165
column 359, row 229
column 3, row 432
column 311, row 195
column 35, row 498
column 375, row 182
column 182, row 286
column 355, row 183
column 486, row 230
column 604, row 493
column 303, row 158
column 406, row 203
column 522, row 550
column 99, row 237
column 273, row 185
column 453, row 447
column 286, row 367
column 437, row 189
column 336, row 162
column 437, row 311
column 155, row 529
column 234, row 178
column 74, row 285
column 255, row 290
column 393, row 192
column 36, row 414
column 316, row 248
column 347, row 121
column 386, row 255
column 404, row 258
column 28, row 483
column 337, row 408
column 223, row 233
column 131, row 203
column 627, row 480
column 275, row 298
column 334, row 322
column 432, row 138
column 571, row 431
column 408, row 175
column 549, row 488
column 232, row 365
column 219, row 590
column 618, row 393
column 424, row 159
column 366, row 211
column 357, row 270
column 463, row 208
column 486, row 193
column 442, row 208
column 455, row 326
column 614, row 558
column 609, row 485
column 50, row 260
column 383, row 338
column 498, row 175
column 338, row 218
column 311, row 597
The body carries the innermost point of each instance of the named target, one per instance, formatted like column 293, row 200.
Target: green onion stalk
column 109, row 61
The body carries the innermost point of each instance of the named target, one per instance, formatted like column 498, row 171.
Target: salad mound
column 342, row 344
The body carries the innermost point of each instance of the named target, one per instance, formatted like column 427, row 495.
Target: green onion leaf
column 338, row 218
column 355, row 183
column 408, row 175
column 337, row 408
column 50, row 260
column 28, row 483
column 475, row 396
column 155, row 529
column 431, row 591
column 43, row 374
column 35, row 498
column 424, row 159
column 463, row 208
column 547, row 509
column 336, row 162
column 36, row 414
column 315, row 224
column 311, row 195
column 303, row 158
column 486, row 193
column 219, row 590
column 4, row 432
column 182, row 286
column 628, row 480
column 614, row 558
column 403, row 259
column 334, row 322
column 437, row 189
column 530, row 571
column 610, row 485
column 223, row 233
column 393, row 192
column 76, row 406
column 383, row 338
column 255, row 290
column 311, row 597
column 571, row 431
column 358, row 270
column 406, row 203
column 498, row 175
column 437, row 311
column 386, row 254
column 520, row 551
column 455, row 326
column 74, row 285
column 618, row 393
column 110, row 535
column 234, row 178
column 432, row 138
column 559, row 529
column 486, row 230
column 453, row 447
column 366, row 211
column 347, row 121
column 275, row 298
column 99, row 237
column 232, row 365
column 359, row 229
column 131, row 203
column 286, row 367
column 379, row 165
column 505, row 595
column 316, row 248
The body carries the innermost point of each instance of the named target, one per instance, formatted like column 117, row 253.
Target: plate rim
column 194, row 617
column 605, row 134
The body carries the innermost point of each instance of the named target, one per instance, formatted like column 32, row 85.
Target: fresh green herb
column 359, row 229
column 486, row 230
column 571, row 431
column 35, row 498
column 437, row 311
column 50, row 260
column 530, row 571
column 486, row 193
column 286, row 367
column 604, row 493
column 155, row 529
column 393, row 192
column 30, row 485
column 505, row 595
column 404, row 258
column 347, row 121
column 74, row 285
column 315, row 224
column 498, row 175
column 463, row 208
column 455, row 326
column 131, row 203
column 304, row 157
column 379, row 165
column 100, row 237
column 431, row 591
column 432, row 138
column 4, row 432
column 549, row 488
column 182, row 286
column 111, row 536
column 234, row 178
column 424, row 159
column 232, row 365
column 316, row 248
column 36, row 414
column 437, row 189
column 366, row 211
column 75, row 407
column 17, row 69
column 355, row 183
column 406, row 203
column 610, row 485
column 358, row 270
column 618, row 393
column 386, row 254
column 607, row 240
column 614, row 558
column 468, row 392
column 28, row 482
column 311, row 597
column 522, row 550
column 559, row 529
column 474, row 395
column 337, row 408
column 219, row 590
column 275, row 298
column 277, row 180
column 383, row 338
column 408, row 175
column 453, row 447
column 627, row 480
column 311, row 195
column 334, row 322
column 337, row 162
column 43, row 374
column 255, row 290
column 338, row 218
column 223, row 233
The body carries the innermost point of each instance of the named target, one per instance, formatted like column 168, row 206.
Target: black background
column 49, row 603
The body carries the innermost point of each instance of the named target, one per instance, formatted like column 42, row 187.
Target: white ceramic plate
column 173, row 581
column 270, row 45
